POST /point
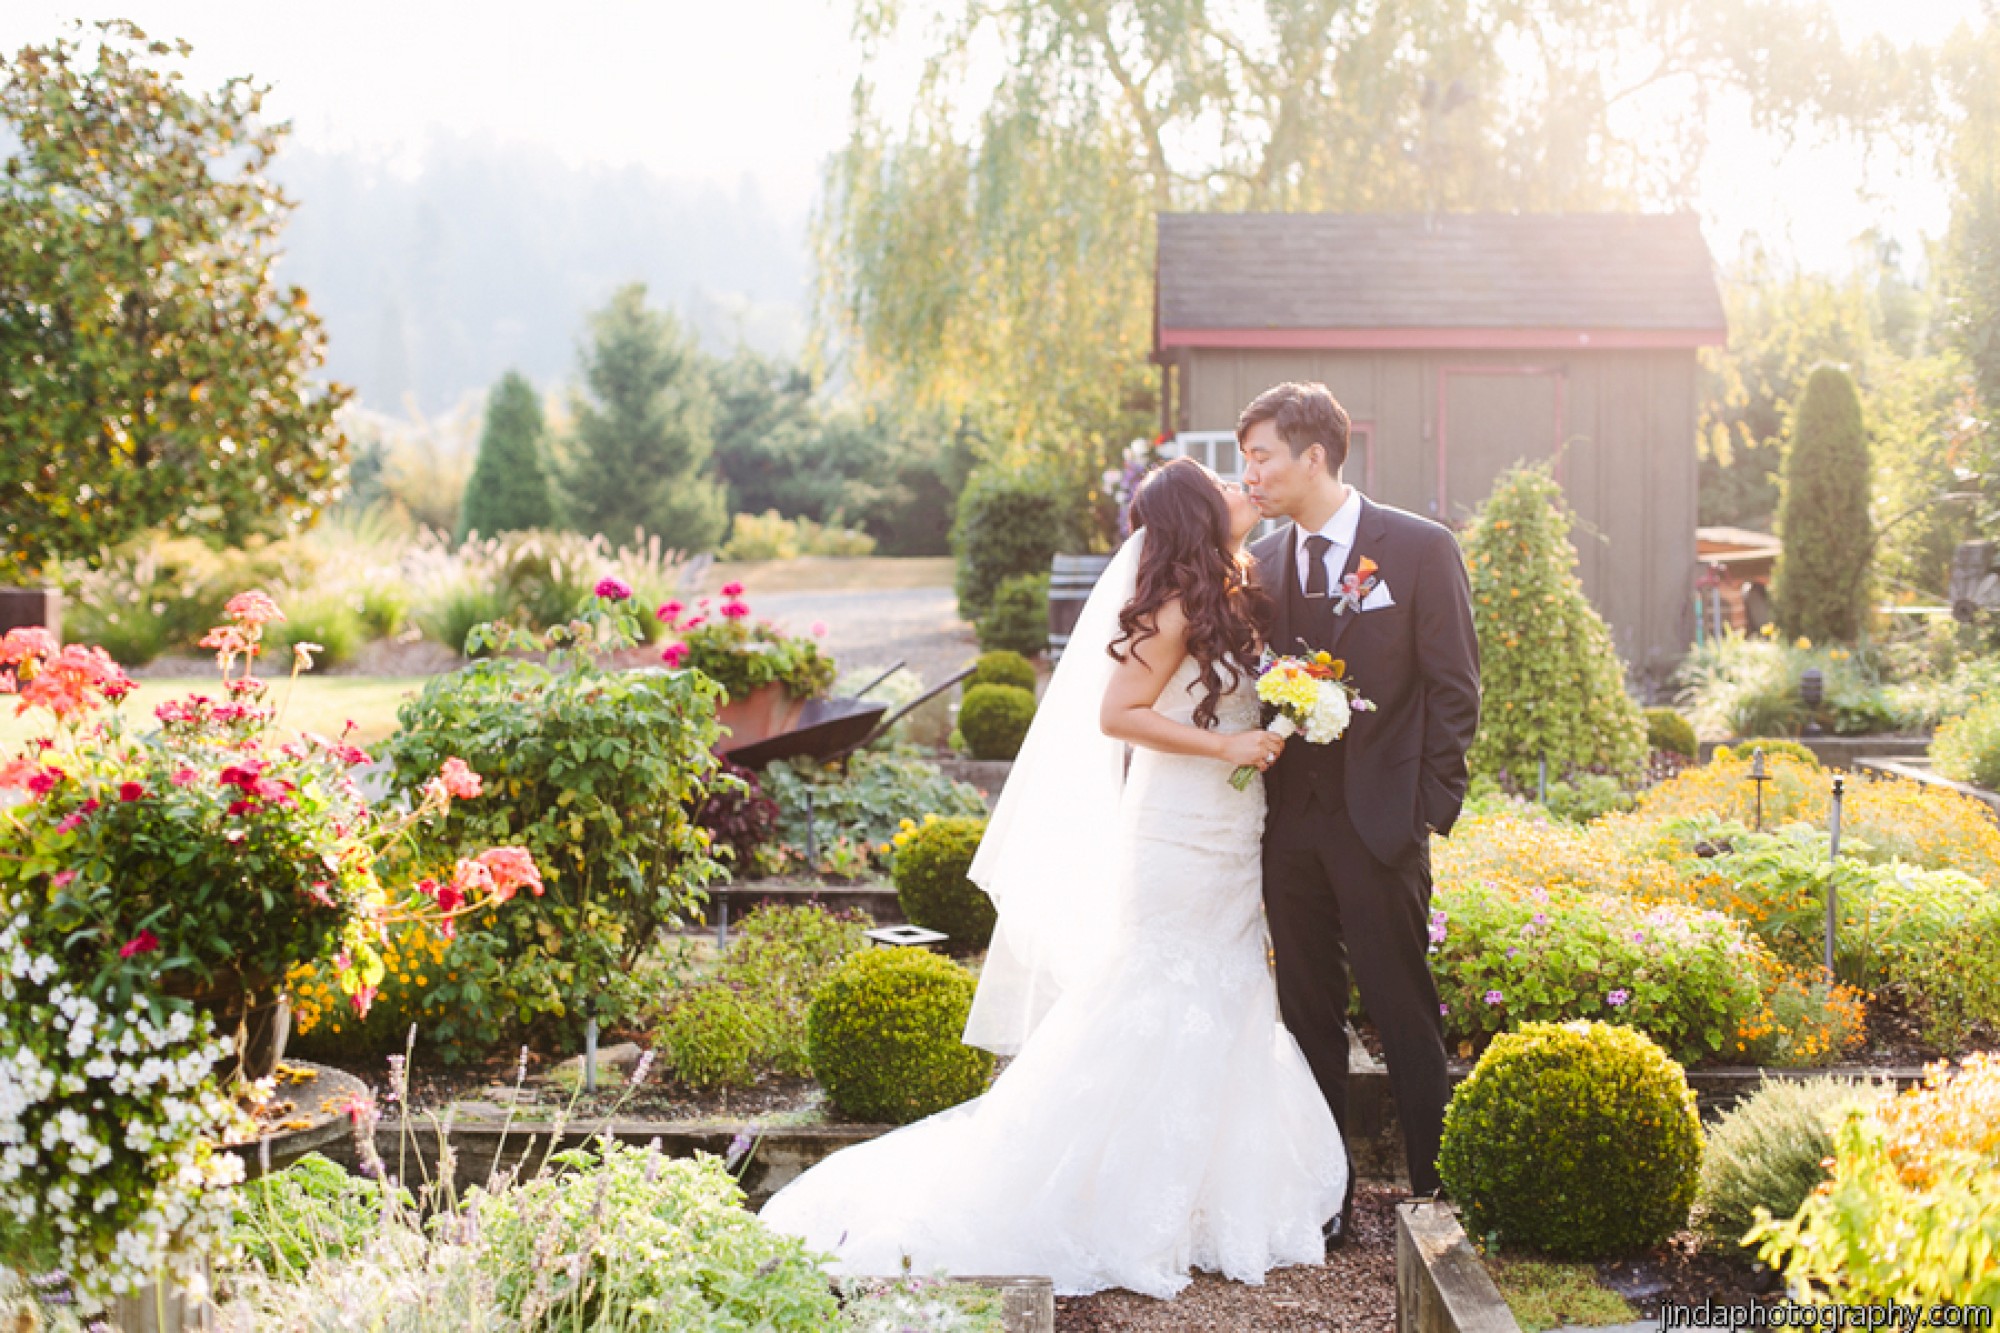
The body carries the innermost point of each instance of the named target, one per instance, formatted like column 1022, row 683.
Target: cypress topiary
column 509, row 487
column 1821, row 585
column 1553, row 685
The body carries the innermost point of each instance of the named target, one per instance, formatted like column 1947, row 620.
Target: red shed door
column 1489, row 418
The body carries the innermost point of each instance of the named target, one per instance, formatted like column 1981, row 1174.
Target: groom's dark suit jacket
column 1402, row 765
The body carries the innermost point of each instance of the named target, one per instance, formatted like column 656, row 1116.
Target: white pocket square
column 1377, row 598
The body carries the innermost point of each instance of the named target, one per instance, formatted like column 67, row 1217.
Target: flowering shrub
column 1912, row 1212
column 1927, row 826
column 722, row 644
column 1933, row 935
column 596, row 773
column 149, row 886
column 1503, row 959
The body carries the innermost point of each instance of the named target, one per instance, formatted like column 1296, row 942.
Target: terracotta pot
column 767, row 711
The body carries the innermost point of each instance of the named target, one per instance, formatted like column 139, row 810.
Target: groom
column 1347, row 879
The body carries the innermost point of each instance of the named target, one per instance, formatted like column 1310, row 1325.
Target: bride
column 1156, row 1115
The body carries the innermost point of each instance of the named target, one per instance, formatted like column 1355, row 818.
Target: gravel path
column 1355, row 1290
column 919, row 626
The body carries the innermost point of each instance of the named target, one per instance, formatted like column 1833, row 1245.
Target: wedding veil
column 1048, row 859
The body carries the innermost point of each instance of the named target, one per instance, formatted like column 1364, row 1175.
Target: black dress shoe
column 1335, row 1231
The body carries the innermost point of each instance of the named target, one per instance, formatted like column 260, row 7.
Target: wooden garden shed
column 1459, row 344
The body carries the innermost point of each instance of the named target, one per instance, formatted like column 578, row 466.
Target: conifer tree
column 509, row 487
column 1552, row 683
column 641, row 453
column 1820, row 590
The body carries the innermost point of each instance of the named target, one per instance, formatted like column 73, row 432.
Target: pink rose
column 460, row 780
column 512, row 869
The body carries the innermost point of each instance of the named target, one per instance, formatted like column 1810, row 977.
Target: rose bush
column 153, row 886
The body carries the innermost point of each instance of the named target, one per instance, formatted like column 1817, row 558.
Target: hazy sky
column 722, row 90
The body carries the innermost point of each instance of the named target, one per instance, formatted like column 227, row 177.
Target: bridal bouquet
column 1311, row 695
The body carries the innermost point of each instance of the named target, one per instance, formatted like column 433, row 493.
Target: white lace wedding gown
column 1158, row 1118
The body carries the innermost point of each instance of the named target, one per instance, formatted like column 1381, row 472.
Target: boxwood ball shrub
column 931, row 886
column 1767, row 1152
column 1002, row 667
column 1669, row 731
column 883, row 1036
column 1579, row 1140
column 994, row 720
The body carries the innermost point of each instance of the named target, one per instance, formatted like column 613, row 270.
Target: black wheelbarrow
column 832, row 729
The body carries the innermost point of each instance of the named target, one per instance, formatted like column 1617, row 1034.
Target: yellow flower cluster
column 1928, row 826
column 905, row 830
column 1950, row 1114
column 1518, row 852
column 414, row 954
column 1289, row 687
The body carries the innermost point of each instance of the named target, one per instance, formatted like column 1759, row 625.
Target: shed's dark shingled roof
column 1463, row 270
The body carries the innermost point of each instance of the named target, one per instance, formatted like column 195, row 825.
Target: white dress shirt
column 1340, row 531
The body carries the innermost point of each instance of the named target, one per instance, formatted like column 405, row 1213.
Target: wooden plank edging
column 1442, row 1286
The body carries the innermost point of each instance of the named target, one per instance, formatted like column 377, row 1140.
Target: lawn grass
column 321, row 703
column 1546, row 1295
column 819, row 573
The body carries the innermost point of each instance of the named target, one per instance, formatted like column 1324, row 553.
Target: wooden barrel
column 1071, row 577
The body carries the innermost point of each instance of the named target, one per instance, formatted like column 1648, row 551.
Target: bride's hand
column 1256, row 749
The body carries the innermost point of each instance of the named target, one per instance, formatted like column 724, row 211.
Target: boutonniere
column 1356, row 586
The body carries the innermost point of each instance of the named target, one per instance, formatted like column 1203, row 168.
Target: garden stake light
column 1759, row 777
column 1832, row 893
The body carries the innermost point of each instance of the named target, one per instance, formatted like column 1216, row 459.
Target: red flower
column 131, row 791
column 674, row 654
column 732, row 590
column 241, row 775
column 695, row 623
column 735, row 610
column 144, row 942
column 62, row 878
column 669, row 612
column 239, row 807
column 613, row 589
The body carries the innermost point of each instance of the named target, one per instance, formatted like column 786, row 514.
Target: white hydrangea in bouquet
column 1313, row 697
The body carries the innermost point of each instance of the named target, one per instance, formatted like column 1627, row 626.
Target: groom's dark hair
column 1303, row 415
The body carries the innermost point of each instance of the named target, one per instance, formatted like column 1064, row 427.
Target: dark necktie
column 1316, row 549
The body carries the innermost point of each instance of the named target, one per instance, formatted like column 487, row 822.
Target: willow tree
column 991, row 256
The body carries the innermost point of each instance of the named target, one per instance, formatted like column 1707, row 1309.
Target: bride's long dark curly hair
column 1189, row 555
